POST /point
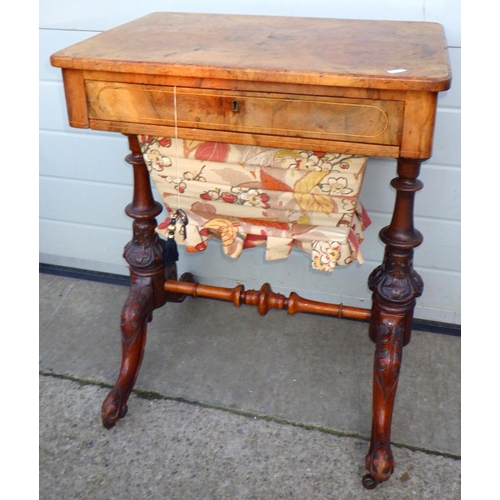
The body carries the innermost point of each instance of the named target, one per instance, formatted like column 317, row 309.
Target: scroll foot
column 380, row 464
column 113, row 408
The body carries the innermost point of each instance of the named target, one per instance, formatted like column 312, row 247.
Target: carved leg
column 395, row 286
column 144, row 254
column 135, row 315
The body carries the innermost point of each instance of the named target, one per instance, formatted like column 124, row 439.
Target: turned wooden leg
column 395, row 286
column 144, row 254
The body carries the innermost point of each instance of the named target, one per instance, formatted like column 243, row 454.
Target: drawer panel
column 354, row 120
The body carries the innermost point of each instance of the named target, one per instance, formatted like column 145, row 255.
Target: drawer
column 288, row 115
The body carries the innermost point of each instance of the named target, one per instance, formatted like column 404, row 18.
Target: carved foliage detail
column 389, row 355
column 146, row 248
column 136, row 310
column 395, row 279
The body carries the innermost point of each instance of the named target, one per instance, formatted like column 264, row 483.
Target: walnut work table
column 354, row 87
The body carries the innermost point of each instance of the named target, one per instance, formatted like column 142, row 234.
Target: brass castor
column 369, row 483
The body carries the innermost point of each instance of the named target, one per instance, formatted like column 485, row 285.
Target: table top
column 395, row 55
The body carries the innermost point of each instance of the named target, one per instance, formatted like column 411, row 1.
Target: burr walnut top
column 395, row 55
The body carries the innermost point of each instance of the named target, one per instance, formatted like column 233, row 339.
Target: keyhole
column 235, row 105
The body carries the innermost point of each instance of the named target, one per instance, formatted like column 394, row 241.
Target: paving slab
column 166, row 449
column 306, row 369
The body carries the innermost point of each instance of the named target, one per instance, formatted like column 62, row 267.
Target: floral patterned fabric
column 249, row 196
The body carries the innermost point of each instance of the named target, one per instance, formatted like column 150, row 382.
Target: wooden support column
column 144, row 254
column 395, row 286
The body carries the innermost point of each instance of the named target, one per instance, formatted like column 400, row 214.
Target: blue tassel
column 170, row 252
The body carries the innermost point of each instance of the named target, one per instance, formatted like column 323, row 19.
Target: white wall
column 85, row 184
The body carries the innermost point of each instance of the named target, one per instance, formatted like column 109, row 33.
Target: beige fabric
column 248, row 196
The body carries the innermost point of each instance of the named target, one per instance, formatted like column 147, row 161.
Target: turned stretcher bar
column 266, row 299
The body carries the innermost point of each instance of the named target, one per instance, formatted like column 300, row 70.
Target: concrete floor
column 230, row 405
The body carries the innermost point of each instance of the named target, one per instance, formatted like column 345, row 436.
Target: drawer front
column 353, row 120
